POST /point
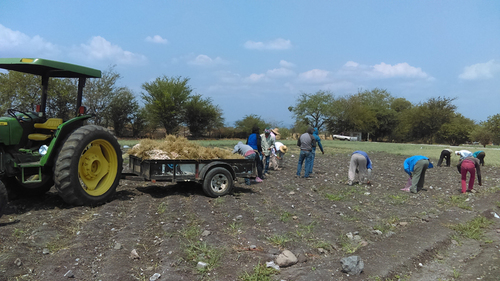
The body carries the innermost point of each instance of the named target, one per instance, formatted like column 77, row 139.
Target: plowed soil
column 172, row 227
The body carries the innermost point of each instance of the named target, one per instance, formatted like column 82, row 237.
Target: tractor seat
column 50, row 124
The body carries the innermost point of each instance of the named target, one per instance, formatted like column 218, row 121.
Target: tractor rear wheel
column 3, row 198
column 88, row 167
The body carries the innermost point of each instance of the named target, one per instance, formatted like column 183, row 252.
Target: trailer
column 217, row 176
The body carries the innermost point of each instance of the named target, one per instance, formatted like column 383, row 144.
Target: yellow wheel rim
column 98, row 167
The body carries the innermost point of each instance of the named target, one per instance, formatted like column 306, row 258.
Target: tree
column 201, row 115
column 165, row 100
column 61, row 100
column 456, row 131
column 139, row 122
column 379, row 103
column 312, row 109
column 19, row 90
column 493, row 124
column 482, row 134
column 98, row 95
column 122, row 109
column 249, row 121
column 349, row 114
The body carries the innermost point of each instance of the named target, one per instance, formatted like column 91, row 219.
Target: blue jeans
column 313, row 155
column 251, row 156
column 307, row 156
column 266, row 167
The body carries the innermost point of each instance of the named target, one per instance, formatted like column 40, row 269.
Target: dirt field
column 173, row 227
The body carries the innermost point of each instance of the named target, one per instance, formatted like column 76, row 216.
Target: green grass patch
column 473, row 229
column 260, row 273
column 459, row 201
column 201, row 251
column 286, row 216
column 162, row 208
column 398, row 199
column 345, row 193
column 191, row 232
column 279, row 240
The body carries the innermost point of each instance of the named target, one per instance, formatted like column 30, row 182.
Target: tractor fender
column 60, row 136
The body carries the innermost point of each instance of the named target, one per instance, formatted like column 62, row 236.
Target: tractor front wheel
column 89, row 166
column 18, row 188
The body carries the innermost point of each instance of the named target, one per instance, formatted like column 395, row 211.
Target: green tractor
column 83, row 162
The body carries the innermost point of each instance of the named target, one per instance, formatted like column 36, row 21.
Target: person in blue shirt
column 415, row 167
column 479, row 155
column 361, row 165
column 313, row 153
column 255, row 141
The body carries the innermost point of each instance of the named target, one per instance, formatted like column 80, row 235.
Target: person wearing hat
column 274, row 132
column 277, row 154
column 267, row 144
column 445, row 154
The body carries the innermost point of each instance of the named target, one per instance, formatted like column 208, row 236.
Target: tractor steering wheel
column 22, row 117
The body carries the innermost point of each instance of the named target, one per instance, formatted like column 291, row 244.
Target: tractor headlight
column 43, row 150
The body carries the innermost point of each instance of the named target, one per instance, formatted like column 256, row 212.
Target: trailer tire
column 3, row 198
column 218, row 182
column 88, row 167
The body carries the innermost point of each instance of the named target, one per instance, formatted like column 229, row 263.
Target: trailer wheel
column 218, row 182
column 89, row 166
column 3, row 198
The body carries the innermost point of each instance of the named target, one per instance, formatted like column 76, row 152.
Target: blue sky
column 257, row 57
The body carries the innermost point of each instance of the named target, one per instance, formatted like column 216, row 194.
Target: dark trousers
column 445, row 154
column 481, row 156
column 260, row 167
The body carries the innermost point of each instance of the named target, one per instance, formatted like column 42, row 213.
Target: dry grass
column 178, row 148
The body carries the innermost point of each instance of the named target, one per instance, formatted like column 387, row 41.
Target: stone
column 18, row 262
column 286, row 258
column 118, row 246
column 205, row 233
column 352, row 265
column 272, row 264
column 134, row 255
column 201, row 265
column 45, row 251
column 69, row 274
column 155, row 277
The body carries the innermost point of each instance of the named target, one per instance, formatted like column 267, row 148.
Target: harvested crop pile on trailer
column 178, row 148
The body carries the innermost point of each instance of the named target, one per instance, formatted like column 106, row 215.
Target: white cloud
column 277, row 44
column 398, row 70
column 16, row 43
column 102, row 50
column 280, row 72
column 204, row 60
column 383, row 70
column 314, row 76
column 485, row 70
column 156, row 39
column 254, row 78
column 286, row 64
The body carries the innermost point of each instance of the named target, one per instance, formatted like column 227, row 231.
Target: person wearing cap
column 305, row 142
column 248, row 152
column 479, row 155
column 318, row 143
column 277, row 154
column 445, row 154
column 254, row 140
column 415, row 167
column 267, row 144
column 463, row 153
column 360, row 165
column 469, row 165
